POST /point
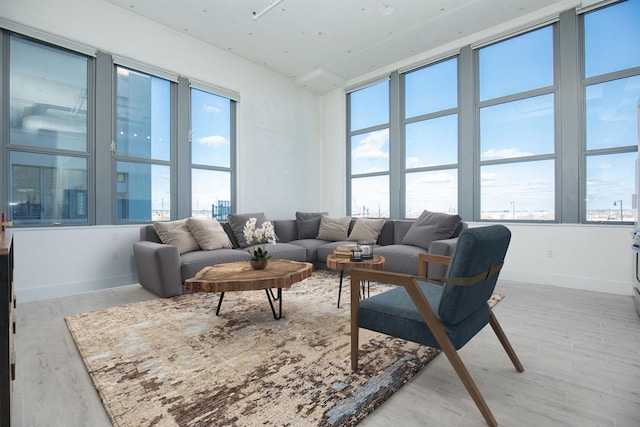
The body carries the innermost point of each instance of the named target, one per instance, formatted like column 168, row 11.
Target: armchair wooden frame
column 432, row 321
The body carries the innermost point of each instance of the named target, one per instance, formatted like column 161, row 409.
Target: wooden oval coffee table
column 240, row 276
column 336, row 262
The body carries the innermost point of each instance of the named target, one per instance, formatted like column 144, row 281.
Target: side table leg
column 272, row 298
column 340, row 288
column 219, row 303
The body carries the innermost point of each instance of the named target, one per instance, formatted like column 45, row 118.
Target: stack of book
column 344, row 250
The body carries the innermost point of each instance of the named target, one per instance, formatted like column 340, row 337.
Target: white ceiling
column 322, row 44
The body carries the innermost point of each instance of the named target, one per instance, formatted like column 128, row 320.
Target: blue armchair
column 442, row 315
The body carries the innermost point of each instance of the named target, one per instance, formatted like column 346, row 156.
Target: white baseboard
column 58, row 290
column 567, row 281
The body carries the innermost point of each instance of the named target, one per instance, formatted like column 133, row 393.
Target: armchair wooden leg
column 505, row 341
column 468, row 382
column 445, row 344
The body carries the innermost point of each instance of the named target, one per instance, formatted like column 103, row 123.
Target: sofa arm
column 443, row 248
column 158, row 268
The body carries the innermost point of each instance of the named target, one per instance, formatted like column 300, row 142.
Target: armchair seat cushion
column 394, row 313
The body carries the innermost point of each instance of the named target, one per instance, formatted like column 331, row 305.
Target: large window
column 369, row 151
column 48, row 139
column 143, row 147
column 92, row 138
column 539, row 126
column 517, row 128
column 612, row 108
column 211, row 154
column 431, row 139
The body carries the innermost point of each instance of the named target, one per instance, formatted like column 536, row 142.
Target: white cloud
column 413, row 162
column 506, row 153
column 371, row 147
column 214, row 140
column 489, row 178
column 210, row 109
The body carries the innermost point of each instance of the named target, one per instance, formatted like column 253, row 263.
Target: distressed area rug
column 173, row 362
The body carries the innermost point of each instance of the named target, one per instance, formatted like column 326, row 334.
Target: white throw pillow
column 334, row 228
column 209, row 233
column 176, row 233
column 366, row 229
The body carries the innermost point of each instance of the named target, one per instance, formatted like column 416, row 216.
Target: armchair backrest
column 478, row 250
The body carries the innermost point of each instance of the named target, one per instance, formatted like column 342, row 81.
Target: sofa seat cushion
column 311, row 247
column 400, row 258
column 283, row 251
column 192, row 262
column 327, row 249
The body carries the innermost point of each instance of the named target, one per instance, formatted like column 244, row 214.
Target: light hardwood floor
column 580, row 350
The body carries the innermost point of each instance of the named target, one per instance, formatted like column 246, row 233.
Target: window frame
column 7, row 147
column 446, row 112
column 552, row 89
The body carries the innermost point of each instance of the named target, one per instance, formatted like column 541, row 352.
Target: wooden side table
column 343, row 264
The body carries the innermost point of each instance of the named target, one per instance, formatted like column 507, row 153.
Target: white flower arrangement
column 259, row 236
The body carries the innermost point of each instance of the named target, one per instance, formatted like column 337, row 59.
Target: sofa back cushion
column 237, row 222
column 308, row 224
column 148, row 234
column 386, row 234
column 400, row 229
column 286, row 229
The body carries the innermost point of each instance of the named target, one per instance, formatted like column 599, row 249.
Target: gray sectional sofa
column 162, row 269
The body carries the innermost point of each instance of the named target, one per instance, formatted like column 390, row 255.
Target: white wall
column 54, row 262
column 591, row 257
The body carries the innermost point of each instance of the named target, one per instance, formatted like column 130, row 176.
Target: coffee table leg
column 219, row 303
column 278, row 298
column 340, row 288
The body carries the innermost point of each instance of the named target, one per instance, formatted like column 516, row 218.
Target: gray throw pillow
column 431, row 226
column 308, row 224
column 237, row 221
column 176, row 233
column 209, row 233
column 366, row 229
column 334, row 229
